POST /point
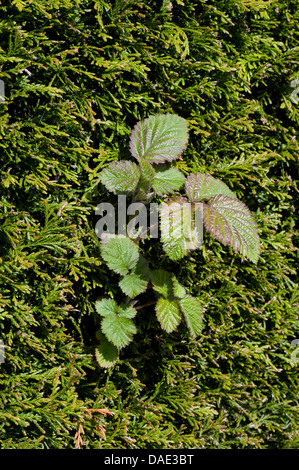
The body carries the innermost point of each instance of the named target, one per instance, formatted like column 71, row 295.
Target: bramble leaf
column 230, row 221
column 162, row 282
column 117, row 324
column 179, row 233
column 120, row 176
column 118, row 329
column 142, row 268
column 179, row 291
column 201, row 186
column 159, row 138
column 133, row 285
column 106, row 354
column 167, row 181
column 168, row 314
column 120, row 253
column 192, row 311
column 107, row 307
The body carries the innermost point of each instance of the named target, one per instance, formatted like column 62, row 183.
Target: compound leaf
column 167, row 181
column 120, row 253
column 230, row 221
column 201, row 186
column 168, row 314
column 159, row 138
column 120, row 176
column 192, row 311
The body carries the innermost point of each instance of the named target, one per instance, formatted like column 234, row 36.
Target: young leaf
column 201, row 186
column 106, row 307
column 167, row 181
column 118, row 329
column 168, row 314
column 147, row 172
column 162, row 282
column 120, row 176
column 142, row 268
column 120, row 253
column 144, row 188
column 230, row 221
column 133, row 285
column 117, row 324
column 159, row 138
column 193, row 314
column 179, row 291
column 106, row 354
column 179, row 234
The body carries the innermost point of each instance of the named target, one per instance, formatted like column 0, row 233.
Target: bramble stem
column 145, row 305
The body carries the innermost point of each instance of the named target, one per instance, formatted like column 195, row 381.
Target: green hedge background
column 78, row 75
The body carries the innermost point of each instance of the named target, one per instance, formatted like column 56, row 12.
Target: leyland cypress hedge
column 76, row 77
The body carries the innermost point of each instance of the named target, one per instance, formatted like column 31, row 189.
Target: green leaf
column 179, row 234
column 168, row 314
column 200, row 186
column 118, row 329
column 108, row 307
column 117, row 324
column 179, row 291
column 192, row 311
column 167, row 181
column 120, row 176
column 159, row 138
column 120, row 253
column 142, row 268
column 133, row 285
column 106, row 354
column 162, row 282
column 230, row 221
column 144, row 188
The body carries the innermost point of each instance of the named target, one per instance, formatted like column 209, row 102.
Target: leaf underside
column 201, row 186
column 160, row 138
column 121, row 176
column 120, row 253
column 230, row 221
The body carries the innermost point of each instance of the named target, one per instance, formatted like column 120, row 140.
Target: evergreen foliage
column 78, row 76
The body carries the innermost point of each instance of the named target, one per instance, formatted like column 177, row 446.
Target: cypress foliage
column 78, row 75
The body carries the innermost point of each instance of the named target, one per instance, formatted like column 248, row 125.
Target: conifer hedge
column 78, row 75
